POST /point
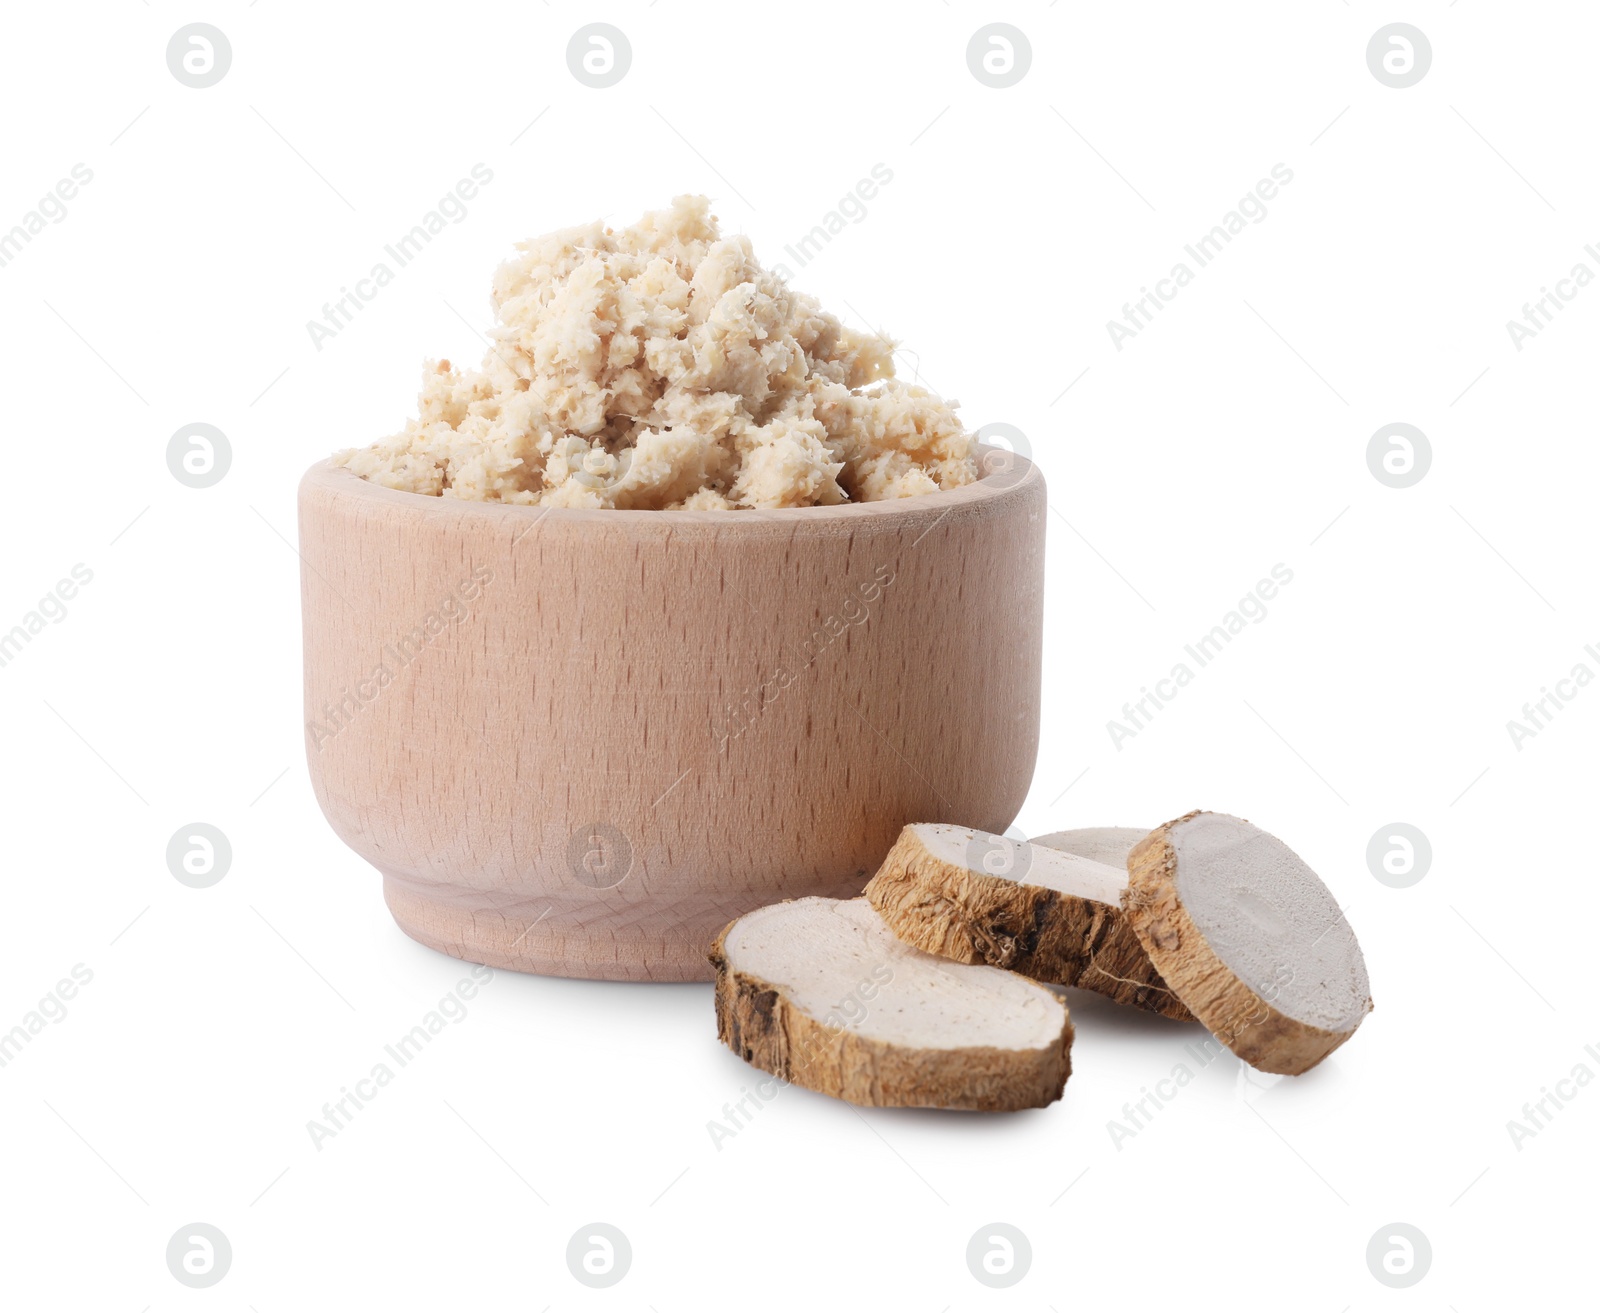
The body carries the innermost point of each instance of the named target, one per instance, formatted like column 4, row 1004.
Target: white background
column 1229, row 436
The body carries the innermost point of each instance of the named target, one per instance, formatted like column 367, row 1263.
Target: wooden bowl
column 580, row 742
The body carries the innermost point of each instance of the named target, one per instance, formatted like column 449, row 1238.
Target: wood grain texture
column 580, row 742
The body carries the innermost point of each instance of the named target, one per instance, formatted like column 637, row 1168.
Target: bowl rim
column 1014, row 475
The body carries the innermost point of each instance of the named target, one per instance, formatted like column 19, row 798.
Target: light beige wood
column 730, row 707
column 820, row 992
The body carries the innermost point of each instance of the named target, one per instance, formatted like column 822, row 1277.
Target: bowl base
column 581, row 938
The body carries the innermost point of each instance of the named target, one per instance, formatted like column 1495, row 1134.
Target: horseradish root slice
column 1248, row 937
column 977, row 897
column 820, row 993
column 1109, row 844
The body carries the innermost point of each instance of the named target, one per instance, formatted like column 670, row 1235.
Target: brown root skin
column 756, row 1021
column 1241, row 1018
column 961, row 914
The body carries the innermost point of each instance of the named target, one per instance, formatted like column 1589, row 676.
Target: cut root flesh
column 1249, row 938
column 1050, row 914
column 820, row 993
